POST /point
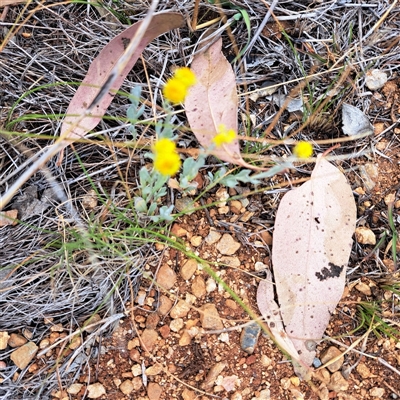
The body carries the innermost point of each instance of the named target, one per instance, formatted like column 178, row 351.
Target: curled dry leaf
column 99, row 72
column 213, row 101
column 311, row 247
column 270, row 311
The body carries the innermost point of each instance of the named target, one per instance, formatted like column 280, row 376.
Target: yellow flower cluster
column 303, row 149
column 224, row 136
column 166, row 158
column 176, row 88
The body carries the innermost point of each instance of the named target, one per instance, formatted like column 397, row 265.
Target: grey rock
column 316, row 363
column 249, row 337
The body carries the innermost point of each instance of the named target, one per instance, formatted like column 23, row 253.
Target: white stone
column 136, row 370
column 375, row 79
column 377, row 392
column 75, row 388
column 213, row 237
column 259, row 266
column 96, row 390
column 210, row 285
column 224, row 337
column 365, row 235
column 176, row 325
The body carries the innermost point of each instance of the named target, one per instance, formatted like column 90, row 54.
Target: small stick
column 195, row 14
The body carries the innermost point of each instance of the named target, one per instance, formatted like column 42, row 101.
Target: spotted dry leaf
column 311, row 247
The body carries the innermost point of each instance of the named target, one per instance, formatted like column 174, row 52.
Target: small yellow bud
column 186, row 76
column 224, row 136
column 166, row 158
column 175, row 90
column 303, row 149
column 164, row 145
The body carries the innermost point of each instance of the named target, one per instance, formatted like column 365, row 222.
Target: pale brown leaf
column 99, row 72
column 270, row 311
column 213, row 101
column 311, row 247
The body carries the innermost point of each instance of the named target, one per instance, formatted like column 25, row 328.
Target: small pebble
column 24, row 355
column 180, row 309
column 4, row 336
column 213, row 236
column 331, row 353
column 210, row 285
column 249, row 337
column 375, row 79
column 365, row 236
column 364, row 288
column 317, row 363
column 96, row 390
column 259, row 266
column 188, row 269
column 209, row 317
column 377, row 392
column 166, row 277
column 75, row 388
column 265, row 361
column 165, row 305
column 224, row 337
column 154, row 391
column 126, row 387
column 176, row 325
column 227, row 245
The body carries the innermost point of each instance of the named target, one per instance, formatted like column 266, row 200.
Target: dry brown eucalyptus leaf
column 311, row 247
column 270, row 312
column 213, row 101
column 99, row 72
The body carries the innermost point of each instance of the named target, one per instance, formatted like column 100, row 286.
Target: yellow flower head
column 303, row 149
column 167, row 163
column 164, row 145
column 166, row 158
column 224, row 136
column 175, row 91
column 176, row 88
column 186, row 76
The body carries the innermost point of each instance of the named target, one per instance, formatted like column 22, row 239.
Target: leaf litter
column 213, row 101
column 311, row 247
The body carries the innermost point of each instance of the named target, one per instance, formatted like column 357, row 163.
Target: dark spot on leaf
column 272, row 324
column 333, row 271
